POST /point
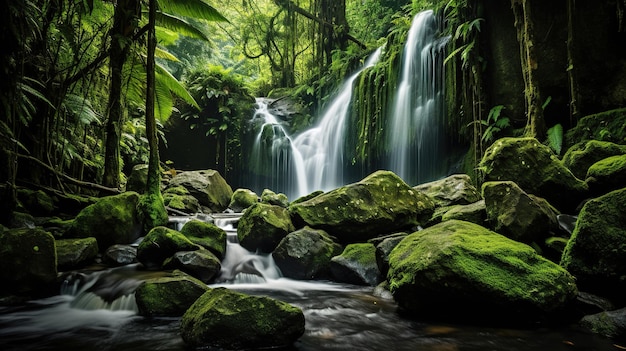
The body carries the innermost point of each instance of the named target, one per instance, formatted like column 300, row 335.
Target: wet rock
column 535, row 169
column 231, row 320
column 381, row 203
column 120, row 255
column 305, row 253
column 160, row 244
column 207, row 186
column 242, row 199
column 137, row 179
column 596, row 251
column 582, row 155
column 356, row 265
column 207, row 235
column 456, row 189
column 151, row 211
column 607, row 175
column 263, row 226
column 518, row 215
column 604, row 126
column 75, row 253
column 111, row 220
column 271, row 198
column 28, row 264
column 610, row 324
column 179, row 199
column 168, row 296
column 475, row 213
column 201, row 264
column 460, row 270
column 384, row 248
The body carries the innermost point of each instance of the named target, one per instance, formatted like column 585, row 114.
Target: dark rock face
column 379, row 204
column 231, row 320
column 201, row 264
column 456, row 269
column 305, row 253
column 120, row 255
column 611, row 324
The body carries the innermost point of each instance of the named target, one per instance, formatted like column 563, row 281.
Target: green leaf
column 545, row 103
column 555, row 138
column 168, row 80
column 192, row 8
column 166, row 55
column 180, row 26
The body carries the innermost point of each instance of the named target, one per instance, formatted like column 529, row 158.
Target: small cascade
column 415, row 134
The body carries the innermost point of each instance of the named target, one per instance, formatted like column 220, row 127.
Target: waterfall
column 415, row 133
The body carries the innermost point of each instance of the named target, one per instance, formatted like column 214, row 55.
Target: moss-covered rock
column 271, row 198
column 111, row 220
column 207, row 186
column 28, row 262
column 456, row 189
column 160, row 244
column 231, row 320
column 536, row 170
column 596, row 251
column 242, row 199
column 151, row 211
column 263, row 226
column 460, row 270
column 36, row 202
column 120, row 255
column 607, row 175
column 138, row 179
column 582, row 155
column 75, row 253
column 610, row 324
column 356, row 265
column 605, row 126
column 305, row 253
column 475, row 213
column 168, row 296
column 179, row 199
column 381, row 203
column 517, row 215
column 384, row 248
column 202, row 264
column 207, row 235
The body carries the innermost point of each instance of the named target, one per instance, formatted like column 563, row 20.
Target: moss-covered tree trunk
column 535, row 125
column 574, row 107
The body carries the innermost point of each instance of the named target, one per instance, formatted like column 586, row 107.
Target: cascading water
column 415, row 134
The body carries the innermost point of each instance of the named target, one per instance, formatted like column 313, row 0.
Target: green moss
column 606, row 126
column 168, row 296
column 614, row 166
column 581, row 156
column 262, row 227
column 161, row 243
column 361, row 253
column 177, row 190
column 152, row 211
column 207, row 235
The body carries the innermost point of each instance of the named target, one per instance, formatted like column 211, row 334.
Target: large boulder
column 207, row 186
column 76, row 253
column 607, row 175
column 271, row 198
column 178, row 199
column 582, row 155
column 456, row 189
column 263, row 226
column 168, row 296
column 231, row 320
column 138, row 178
column 201, row 264
column 160, row 244
column 242, row 199
column 475, row 212
column 518, row 215
column 356, row 265
column 459, row 270
column 151, row 211
column 610, row 324
column 305, row 253
column 207, row 235
column 111, row 220
column 605, row 126
column 536, row 170
column 120, row 255
column 596, row 252
column 28, row 262
column 381, row 203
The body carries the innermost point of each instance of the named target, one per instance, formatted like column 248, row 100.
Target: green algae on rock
column 161, row 243
column 207, row 235
column 356, row 265
column 168, row 296
column 461, row 270
column 263, row 226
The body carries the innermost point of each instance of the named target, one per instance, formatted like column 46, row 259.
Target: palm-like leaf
column 180, row 26
column 191, row 8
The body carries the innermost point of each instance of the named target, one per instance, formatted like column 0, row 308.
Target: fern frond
column 192, row 8
column 180, row 26
column 166, row 78
column 555, row 138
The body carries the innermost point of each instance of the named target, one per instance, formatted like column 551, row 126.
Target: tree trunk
column 124, row 25
column 574, row 107
column 153, row 185
column 535, row 124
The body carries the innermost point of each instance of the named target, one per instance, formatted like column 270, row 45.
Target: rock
column 607, row 175
column 28, row 263
column 207, row 235
column 384, row 248
column 535, row 169
column 582, row 155
column 242, row 199
column 137, row 179
column 381, row 203
column 263, row 226
column 605, row 126
column 305, row 253
column 201, row 264
column 271, row 198
column 356, row 265
column 151, row 211
column 475, row 213
column 76, row 253
column 168, row 296
column 36, row 202
column 461, row 270
column 307, row 197
column 517, row 215
column 596, row 251
column 179, row 199
column 456, row 189
column 160, row 244
column 226, row 319
column 120, row 255
column 610, row 324
column 208, row 187
column 111, row 220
